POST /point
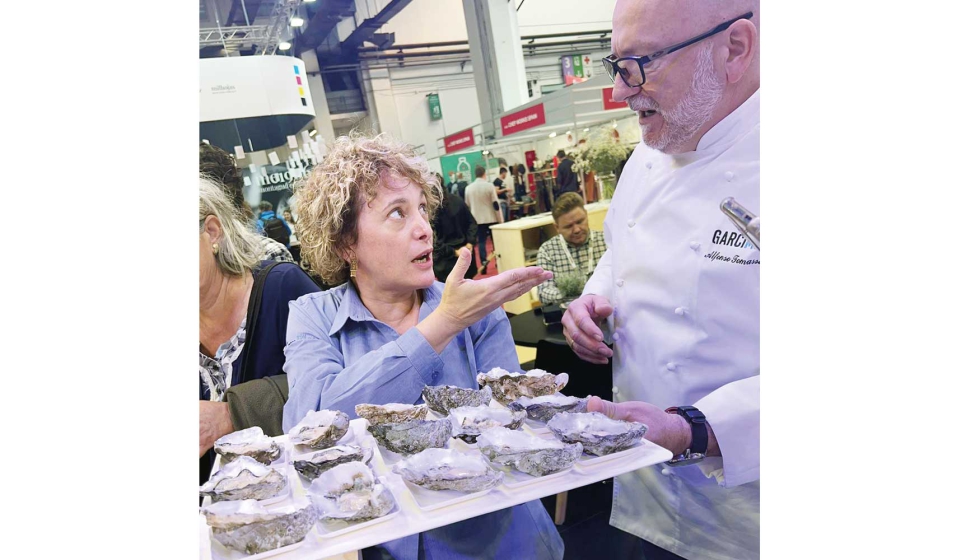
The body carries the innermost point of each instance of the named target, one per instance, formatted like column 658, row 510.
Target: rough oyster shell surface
column 349, row 477
column 320, row 429
column 391, row 413
column 244, row 479
column 544, row 408
column 598, row 434
column 248, row 527
column 356, row 506
column 508, row 387
column 443, row 398
column 470, row 421
column 412, row 436
column 251, row 442
column 313, row 465
column 448, row 469
column 527, row 453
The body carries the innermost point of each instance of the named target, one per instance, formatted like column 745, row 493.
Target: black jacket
column 567, row 179
column 453, row 227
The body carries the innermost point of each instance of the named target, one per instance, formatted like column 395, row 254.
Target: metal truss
column 265, row 38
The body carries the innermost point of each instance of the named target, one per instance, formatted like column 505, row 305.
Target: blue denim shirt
column 338, row 356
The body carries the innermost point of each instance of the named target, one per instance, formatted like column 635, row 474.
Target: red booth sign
column 522, row 120
column 607, row 100
column 459, row 141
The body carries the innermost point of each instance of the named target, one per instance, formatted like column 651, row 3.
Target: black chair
column 584, row 379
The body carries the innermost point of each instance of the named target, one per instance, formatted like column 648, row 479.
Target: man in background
column 481, row 197
column 500, row 184
column 273, row 226
column 567, row 180
column 572, row 255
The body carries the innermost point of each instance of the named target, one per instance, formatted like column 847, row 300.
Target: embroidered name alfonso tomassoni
column 731, row 239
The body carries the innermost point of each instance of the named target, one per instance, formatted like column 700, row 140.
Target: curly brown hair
column 329, row 200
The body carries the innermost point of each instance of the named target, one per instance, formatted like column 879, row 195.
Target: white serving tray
column 411, row 518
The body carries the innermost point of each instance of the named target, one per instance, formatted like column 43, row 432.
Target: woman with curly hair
column 389, row 328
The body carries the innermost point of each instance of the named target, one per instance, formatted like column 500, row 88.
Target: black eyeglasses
column 630, row 68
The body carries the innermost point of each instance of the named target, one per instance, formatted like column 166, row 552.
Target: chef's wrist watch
column 699, row 436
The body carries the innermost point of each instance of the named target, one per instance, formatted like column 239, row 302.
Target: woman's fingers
column 459, row 269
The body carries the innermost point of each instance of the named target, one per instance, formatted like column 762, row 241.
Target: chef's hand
column 669, row 431
column 215, row 420
column 581, row 328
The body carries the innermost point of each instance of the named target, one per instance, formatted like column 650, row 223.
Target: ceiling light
column 568, row 132
column 614, row 124
column 285, row 46
column 586, row 130
column 313, row 132
column 309, row 1
column 296, row 22
column 486, row 152
column 552, row 135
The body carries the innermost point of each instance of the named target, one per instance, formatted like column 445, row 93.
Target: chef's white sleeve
column 732, row 411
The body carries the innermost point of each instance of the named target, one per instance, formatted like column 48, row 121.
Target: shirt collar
column 730, row 128
column 352, row 308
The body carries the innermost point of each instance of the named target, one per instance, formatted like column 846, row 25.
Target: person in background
column 503, row 196
column 686, row 326
column 243, row 307
column 481, row 198
column 294, row 245
column 451, row 185
column 220, row 166
column 458, row 187
column 273, row 226
column 520, row 182
column 572, row 255
column 567, row 180
column 389, row 328
column 454, row 228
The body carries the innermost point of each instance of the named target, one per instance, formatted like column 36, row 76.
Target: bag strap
column 254, row 303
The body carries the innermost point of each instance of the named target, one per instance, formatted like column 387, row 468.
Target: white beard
column 683, row 121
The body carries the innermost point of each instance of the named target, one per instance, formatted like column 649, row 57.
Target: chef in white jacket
column 679, row 284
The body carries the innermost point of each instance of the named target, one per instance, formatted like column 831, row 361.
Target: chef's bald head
column 688, row 91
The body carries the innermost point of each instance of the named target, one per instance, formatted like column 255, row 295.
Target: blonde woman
column 243, row 307
column 389, row 328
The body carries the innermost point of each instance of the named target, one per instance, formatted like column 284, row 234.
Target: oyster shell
column 248, row 527
column 508, row 387
column 391, row 413
column 349, row 477
column 313, row 465
column 543, row 408
column 447, row 469
column 412, row 436
column 356, row 506
column 320, row 429
column 251, row 442
column 244, row 479
column 443, row 398
column 471, row 421
column 598, row 434
column 527, row 453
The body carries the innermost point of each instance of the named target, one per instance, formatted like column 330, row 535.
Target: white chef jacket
column 684, row 285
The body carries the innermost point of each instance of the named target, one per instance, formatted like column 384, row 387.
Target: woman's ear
column 212, row 227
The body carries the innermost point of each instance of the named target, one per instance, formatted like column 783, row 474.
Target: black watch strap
column 699, row 427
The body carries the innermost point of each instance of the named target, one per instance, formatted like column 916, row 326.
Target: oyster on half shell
column 598, row 434
column 543, row 408
column 359, row 505
column 527, row 453
column 443, row 398
column 447, row 469
column 412, row 436
column 251, row 442
column 508, row 387
column 391, row 413
column 470, row 421
column 320, row 429
column 349, row 477
column 244, row 479
column 249, row 527
column 313, row 465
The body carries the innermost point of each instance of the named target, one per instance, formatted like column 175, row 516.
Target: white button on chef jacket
column 711, row 509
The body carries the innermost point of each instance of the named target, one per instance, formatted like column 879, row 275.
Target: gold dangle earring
column 353, row 267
